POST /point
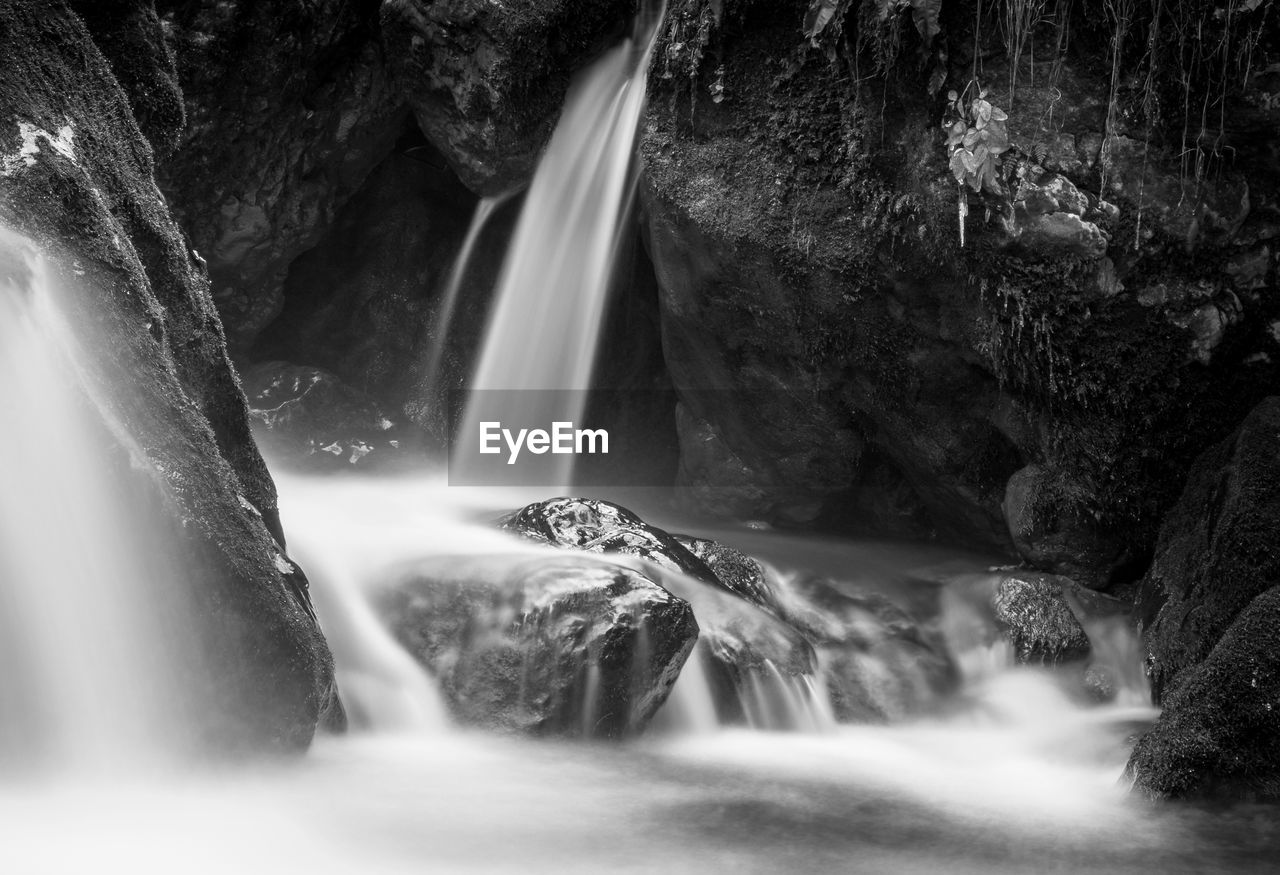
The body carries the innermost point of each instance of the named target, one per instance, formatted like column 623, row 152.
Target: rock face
column 486, row 82
column 362, row 304
column 550, row 646
column 1033, row 611
column 76, row 177
column 1208, row 608
column 835, row 347
column 129, row 35
column 288, row 110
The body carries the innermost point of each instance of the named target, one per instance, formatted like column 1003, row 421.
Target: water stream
column 550, row 302
column 82, row 684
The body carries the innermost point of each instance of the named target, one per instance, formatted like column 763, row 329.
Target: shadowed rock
column 1210, row 611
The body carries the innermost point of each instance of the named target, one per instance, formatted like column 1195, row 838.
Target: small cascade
column 772, row 700
column 382, row 687
column 82, row 667
column 485, row 208
column 977, row 647
column 555, row 279
column 690, row 709
column 1119, row 657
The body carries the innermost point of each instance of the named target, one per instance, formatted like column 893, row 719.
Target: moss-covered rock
column 1219, row 734
column 803, row 225
column 1210, row 611
column 76, row 178
column 129, row 35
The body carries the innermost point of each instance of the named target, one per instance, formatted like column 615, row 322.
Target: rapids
column 1009, row 775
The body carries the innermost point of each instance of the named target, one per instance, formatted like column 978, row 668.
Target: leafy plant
column 976, row 138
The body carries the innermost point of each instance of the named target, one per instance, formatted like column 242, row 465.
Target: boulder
column 1219, row 733
column 1033, row 612
column 549, row 646
column 288, row 109
column 1216, row 551
column 486, row 81
column 741, row 574
column 745, row 645
column 1052, row 534
column 1209, row 609
column 76, row 177
column 596, row 526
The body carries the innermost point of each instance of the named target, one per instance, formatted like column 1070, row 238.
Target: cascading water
column 81, row 667
column 485, row 208
column 551, row 296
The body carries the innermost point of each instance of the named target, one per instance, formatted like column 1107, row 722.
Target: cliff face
column 78, row 181
column 1041, row 382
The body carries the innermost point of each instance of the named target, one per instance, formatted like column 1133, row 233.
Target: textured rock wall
column 81, row 187
column 804, row 231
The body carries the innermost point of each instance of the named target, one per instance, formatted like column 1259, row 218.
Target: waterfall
column 543, row 330
column 80, row 664
column 485, row 208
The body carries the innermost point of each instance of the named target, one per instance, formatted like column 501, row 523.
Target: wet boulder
column 1209, row 609
column 746, row 647
column 737, row 572
column 596, row 526
column 1032, row 611
column 548, row 646
column 486, row 81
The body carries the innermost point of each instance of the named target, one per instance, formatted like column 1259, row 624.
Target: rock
column 129, row 35
column 1033, row 612
column 287, row 111
column 257, row 669
column 1219, row 733
column 486, row 81
column 597, row 526
column 737, row 572
column 1052, row 535
column 1249, row 270
column 308, row 418
column 1216, row 552
column 746, row 645
column 549, row 646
